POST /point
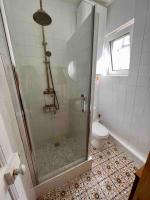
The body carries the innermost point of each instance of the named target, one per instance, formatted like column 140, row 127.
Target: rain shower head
column 41, row 17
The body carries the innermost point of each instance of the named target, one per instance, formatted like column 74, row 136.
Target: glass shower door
column 59, row 137
column 79, row 72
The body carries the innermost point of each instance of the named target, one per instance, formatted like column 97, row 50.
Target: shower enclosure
column 55, row 84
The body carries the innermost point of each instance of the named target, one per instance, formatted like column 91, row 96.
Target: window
column 115, row 60
column 120, row 53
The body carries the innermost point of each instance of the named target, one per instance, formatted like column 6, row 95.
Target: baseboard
column 139, row 159
column 63, row 177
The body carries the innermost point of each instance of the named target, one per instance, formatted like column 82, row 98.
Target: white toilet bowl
column 99, row 135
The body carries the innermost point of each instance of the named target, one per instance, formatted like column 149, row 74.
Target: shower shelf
column 50, row 109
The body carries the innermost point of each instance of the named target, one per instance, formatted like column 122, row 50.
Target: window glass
column 120, row 53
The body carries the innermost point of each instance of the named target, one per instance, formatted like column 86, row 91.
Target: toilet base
column 98, row 144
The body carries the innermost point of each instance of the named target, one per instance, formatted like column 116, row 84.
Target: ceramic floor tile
column 109, row 143
column 109, row 167
column 108, row 188
column 108, row 153
column 111, row 177
column 116, row 150
column 77, row 186
column 119, row 197
column 124, row 158
column 84, row 196
column 117, row 163
column 133, row 167
column 88, row 179
column 49, row 196
column 126, row 193
column 95, row 162
column 96, row 193
column 100, row 157
column 119, row 181
column 94, row 150
column 63, row 192
column 128, row 174
column 99, row 173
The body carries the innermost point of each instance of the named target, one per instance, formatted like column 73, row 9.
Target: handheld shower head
column 48, row 53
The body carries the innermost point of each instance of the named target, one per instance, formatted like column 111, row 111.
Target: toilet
column 99, row 135
column 99, row 132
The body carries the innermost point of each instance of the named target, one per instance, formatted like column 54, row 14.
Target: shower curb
column 62, row 178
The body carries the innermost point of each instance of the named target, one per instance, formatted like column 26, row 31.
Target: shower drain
column 57, row 144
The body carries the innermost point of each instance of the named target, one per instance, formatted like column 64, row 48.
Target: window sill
column 110, row 75
column 117, row 75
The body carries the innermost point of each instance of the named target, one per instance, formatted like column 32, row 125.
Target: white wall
column 99, row 33
column 119, row 12
column 83, row 11
column 8, row 115
column 124, row 102
column 27, row 45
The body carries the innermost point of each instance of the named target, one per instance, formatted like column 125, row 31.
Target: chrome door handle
column 83, row 102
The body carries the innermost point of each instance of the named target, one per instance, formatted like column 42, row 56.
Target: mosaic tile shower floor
column 50, row 158
column 110, row 178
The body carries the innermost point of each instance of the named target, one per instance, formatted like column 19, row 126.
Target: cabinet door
column 143, row 188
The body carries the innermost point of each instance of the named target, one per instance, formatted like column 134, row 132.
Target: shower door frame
column 21, row 118
column 21, row 115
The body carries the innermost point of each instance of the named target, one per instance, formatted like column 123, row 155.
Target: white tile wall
column 124, row 102
column 27, row 45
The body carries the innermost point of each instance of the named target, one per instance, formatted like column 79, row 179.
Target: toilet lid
column 99, row 130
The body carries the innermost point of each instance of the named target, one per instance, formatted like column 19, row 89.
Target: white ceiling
column 103, row 2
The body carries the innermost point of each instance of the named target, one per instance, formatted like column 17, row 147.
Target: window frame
column 109, row 38
column 111, row 53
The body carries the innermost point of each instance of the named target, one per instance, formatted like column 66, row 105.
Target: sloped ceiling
column 103, row 2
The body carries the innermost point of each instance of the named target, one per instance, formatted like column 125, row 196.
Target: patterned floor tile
column 133, row 167
column 108, row 188
column 77, row 186
column 99, row 173
column 109, row 167
column 128, row 174
column 95, row 162
column 49, row 196
column 108, row 153
column 116, row 150
column 84, row 196
column 119, row 181
column 117, row 163
column 96, row 193
column 108, row 143
column 111, row 177
column 94, row 150
column 124, row 158
column 88, row 179
column 99, row 157
column 119, row 197
column 63, row 192
column 126, row 193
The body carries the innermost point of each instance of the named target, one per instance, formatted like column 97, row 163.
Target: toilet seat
column 99, row 130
